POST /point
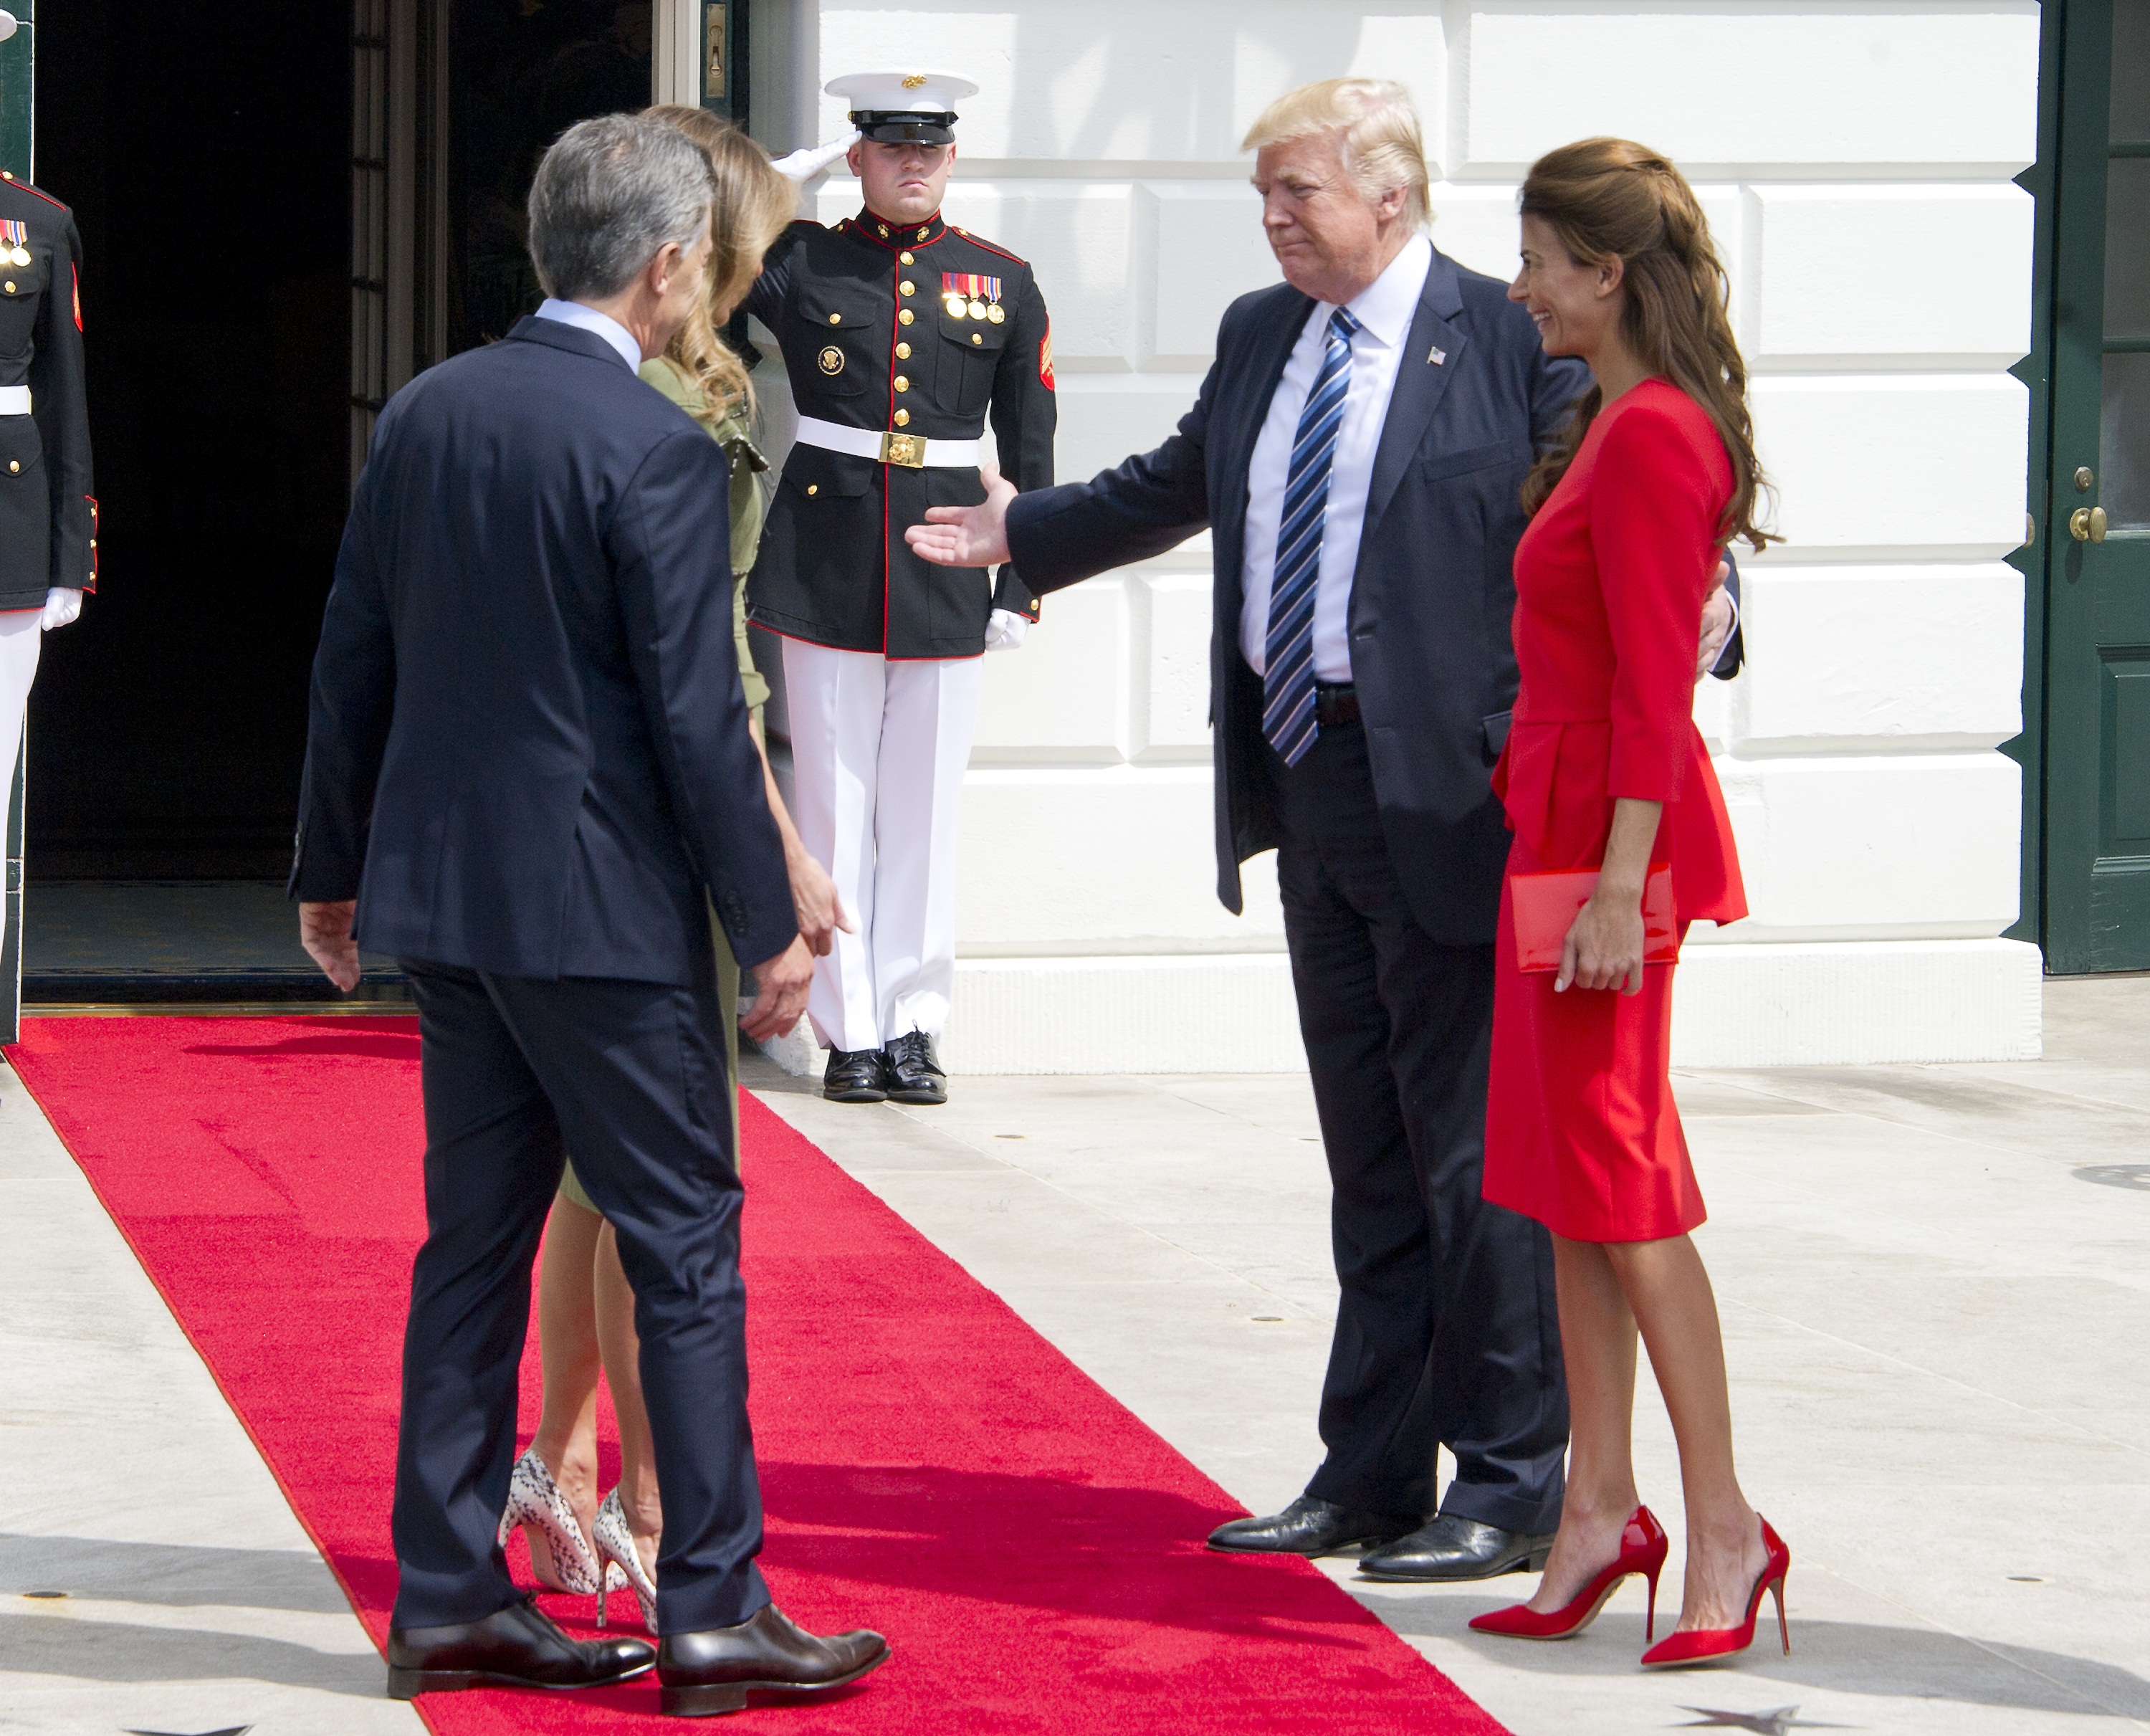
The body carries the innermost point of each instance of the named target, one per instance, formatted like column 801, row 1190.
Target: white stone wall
column 1855, row 161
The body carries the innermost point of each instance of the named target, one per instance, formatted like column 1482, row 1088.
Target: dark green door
column 2098, row 501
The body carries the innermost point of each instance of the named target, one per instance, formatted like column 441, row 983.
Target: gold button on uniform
column 904, row 318
column 977, row 339
column 908, row 287
column 903, row 352
column 11, row 285
column 903, row 382
column 835, row 319
column 813, row 487
column 903, row 418
column 14, row 465
column 907, row 259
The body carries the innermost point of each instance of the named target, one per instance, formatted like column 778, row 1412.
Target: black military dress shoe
column 1310, row 1526
column 1448, row 1548
column 517, row 1647
column 914, row 1074
column 715, row 1670
column 855, row 1076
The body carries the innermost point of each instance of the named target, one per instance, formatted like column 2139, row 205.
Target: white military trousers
column 878, row 750
column 22, row 633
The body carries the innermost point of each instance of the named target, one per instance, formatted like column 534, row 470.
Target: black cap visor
column 905, row 127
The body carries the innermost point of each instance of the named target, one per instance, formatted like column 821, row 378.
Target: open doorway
column 287, row 211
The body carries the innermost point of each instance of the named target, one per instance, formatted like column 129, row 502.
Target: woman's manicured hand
column 1604, row 948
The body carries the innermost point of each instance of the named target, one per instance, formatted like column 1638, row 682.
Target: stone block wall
column 1855, row 162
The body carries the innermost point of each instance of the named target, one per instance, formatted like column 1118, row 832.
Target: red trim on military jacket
column 870, row 226
column 989, row 247
column 10, row 179
column 89, row 589
column 75, row 272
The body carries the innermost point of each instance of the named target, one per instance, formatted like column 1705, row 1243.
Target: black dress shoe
column 517, row 1647
column 855, row 1076
column 1449, row 1548
column 914, row 1075
column 714, row 1671
column 1310, row 1526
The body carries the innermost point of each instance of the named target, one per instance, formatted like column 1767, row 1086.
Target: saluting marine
column 901, row 335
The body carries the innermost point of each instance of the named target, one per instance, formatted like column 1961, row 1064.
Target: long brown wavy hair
column 1609, row 199
column 752, row 204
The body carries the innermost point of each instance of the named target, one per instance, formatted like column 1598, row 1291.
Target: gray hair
column 610, row 192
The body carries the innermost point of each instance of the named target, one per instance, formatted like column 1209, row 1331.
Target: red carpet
column 931, row 1466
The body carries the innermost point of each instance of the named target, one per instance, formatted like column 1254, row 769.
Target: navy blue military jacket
column 1432, row 597
column 48, row 515
column 528, row 749
column 914, row 329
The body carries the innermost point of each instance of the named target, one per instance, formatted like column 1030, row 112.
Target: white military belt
column 913, row 451
column 15, row 401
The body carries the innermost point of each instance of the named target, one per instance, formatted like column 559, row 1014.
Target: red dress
column 1581, row 1130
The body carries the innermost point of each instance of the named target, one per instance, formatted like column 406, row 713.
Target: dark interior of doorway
column 207, row 153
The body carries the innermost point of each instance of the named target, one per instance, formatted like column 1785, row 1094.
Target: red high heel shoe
column 1642, row 1551
column 1698, row 1645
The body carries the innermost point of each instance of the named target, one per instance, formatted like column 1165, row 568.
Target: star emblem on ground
column 1776, row 1722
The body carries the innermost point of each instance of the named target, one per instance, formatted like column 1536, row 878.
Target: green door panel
column 2097, row 646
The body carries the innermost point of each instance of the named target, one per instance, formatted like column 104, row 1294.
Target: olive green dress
column 748, row 504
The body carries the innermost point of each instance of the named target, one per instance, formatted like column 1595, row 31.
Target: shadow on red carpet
column 930, row 1465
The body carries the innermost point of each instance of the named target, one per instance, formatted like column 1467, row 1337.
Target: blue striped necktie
column 1288, row 711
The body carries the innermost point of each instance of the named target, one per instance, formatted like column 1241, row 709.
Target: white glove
column 62, row 606
column 1005, row 631
column 801, row 166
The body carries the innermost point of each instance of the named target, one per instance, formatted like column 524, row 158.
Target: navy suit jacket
column 527, row 749
column 1432, row 595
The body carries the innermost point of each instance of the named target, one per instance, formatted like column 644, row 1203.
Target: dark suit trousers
column 632, row 1076
column 1447, row 1331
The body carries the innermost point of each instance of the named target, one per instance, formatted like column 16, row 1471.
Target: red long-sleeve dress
column 1581, row 1130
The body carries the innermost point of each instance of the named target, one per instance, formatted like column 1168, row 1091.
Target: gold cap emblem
column 911, row 81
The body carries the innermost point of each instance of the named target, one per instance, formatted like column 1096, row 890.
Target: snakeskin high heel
column 534, row 1500
column 615, row 1548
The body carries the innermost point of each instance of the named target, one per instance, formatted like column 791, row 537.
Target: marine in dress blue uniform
column 901, row 339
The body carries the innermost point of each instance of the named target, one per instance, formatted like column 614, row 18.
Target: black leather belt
column 1335, row 702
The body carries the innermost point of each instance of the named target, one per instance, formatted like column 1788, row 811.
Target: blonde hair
column 753, row 203
column 1382, row 148
column 1609, row 199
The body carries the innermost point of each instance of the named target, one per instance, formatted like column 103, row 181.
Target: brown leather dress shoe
column 715, row 1670
column 517, row 1647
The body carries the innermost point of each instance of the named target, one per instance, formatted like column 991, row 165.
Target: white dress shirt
column 588, row 319
column 1385, row 310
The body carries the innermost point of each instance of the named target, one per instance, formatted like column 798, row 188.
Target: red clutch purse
column 1547, row 905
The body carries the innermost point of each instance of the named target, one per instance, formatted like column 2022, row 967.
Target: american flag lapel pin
column 1437, row 356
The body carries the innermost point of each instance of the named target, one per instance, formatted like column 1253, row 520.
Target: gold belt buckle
column 908, row 450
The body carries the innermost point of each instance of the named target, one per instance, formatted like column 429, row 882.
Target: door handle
column 2087, row 524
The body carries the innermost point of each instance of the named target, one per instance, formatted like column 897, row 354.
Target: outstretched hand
column 966, row 535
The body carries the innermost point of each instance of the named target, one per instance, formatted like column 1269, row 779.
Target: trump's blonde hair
column 1379, row 131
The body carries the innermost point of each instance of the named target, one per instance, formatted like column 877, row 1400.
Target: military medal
column 965, row 292
column 12, row 235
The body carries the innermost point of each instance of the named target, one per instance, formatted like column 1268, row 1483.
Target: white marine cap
column 896, row 106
